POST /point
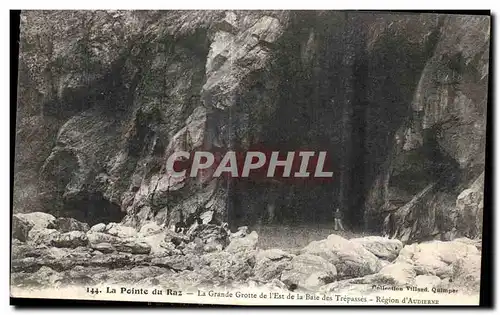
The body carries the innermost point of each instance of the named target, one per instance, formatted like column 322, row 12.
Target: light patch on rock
column 381, row 247
column 120, row 230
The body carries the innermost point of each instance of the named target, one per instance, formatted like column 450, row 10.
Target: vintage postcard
column 250, row 157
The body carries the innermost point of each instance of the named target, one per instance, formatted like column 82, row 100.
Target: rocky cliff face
column 399, row 101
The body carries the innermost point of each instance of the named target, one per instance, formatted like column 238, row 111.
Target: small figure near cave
column 338, row 220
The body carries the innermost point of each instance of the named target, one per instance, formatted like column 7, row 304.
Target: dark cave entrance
column 85, row 206
column 92, row 208
column 352, row 110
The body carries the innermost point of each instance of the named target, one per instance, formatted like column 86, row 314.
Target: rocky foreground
column 58, row 252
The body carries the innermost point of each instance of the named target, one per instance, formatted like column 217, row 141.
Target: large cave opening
column 348, row 101
column 59, row 172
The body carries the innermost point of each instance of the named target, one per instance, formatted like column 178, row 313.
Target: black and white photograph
column 250, row 157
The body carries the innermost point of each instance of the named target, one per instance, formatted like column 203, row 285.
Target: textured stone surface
column 191, row 80
column 309, row 271
column 270, row 263
column 350, row 258
column 384, row 248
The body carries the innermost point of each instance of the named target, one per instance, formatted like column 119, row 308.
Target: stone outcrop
column 309, row 272
column 349, row 258
column 105, row 97
column 108, row 96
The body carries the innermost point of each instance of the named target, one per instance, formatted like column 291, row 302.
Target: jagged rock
column 71, row 239
column 20, row 228
column 115, row 260
column 469, row 207
column 270, row 263
column 176, row 262
column 383, row 248
column 100, row 227
column 98, row 237
column 242, row 244
column 68, row 224
column 176, row 238
column 42, row 236
column 211, row 234
column 351, row 259
column 133, row 247
column 38, row 220
column 119, row 230
column 104, row 248
column 309, row 271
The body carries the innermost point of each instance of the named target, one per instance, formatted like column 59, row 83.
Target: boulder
column 270, row 263
column 43, row 236
column 399, row 273
column 308, row 271
column 382, row 247
column 133, row 247
column 437, row 257
column 104, row 248
column 20, row 228
column 210, row 233
column 100, row 227
column 69, row 224
column 71, row 239
column 243, row 244
column 119, row 230
column 227, row 267
column 350, row 258
column 98, row 237
column 39, row 220
column 114, row 260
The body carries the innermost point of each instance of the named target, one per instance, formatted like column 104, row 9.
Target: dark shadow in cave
column 92, row 208
column 311, row 112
